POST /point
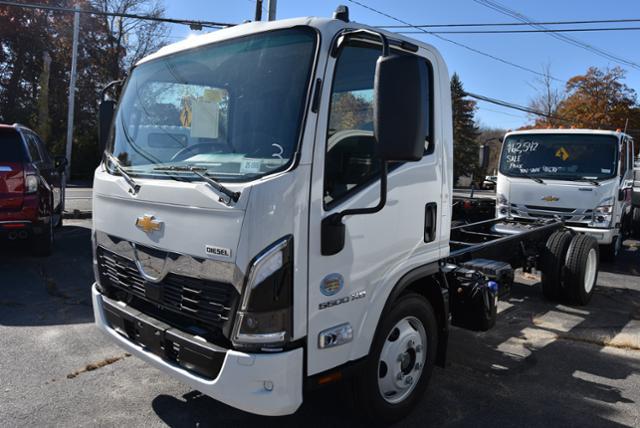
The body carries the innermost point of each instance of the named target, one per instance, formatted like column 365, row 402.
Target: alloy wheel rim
column 402, row 360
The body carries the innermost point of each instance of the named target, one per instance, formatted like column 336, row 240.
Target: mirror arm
column 381, row 203
column 333, row 229
column 109, row 86
column 383, row 39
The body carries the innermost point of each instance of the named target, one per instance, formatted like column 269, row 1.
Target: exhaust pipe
column 12, row 236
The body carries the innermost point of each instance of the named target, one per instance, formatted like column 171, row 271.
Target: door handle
column 430, row 221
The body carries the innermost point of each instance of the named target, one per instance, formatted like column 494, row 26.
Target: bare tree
column 547, row 99
column 132, row 39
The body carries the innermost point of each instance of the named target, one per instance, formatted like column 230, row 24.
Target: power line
column 510, row 24
column 462, row 45
column 512, row 106
column 501, row 112
column 550, row 30
column 189, row 22
column 519, row 107
column 575, row 42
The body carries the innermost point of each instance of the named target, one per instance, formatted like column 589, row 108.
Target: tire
column 43, row 243
column 407, row 335
column 610, row 252
column 636, row 222
column 553, row 261
column 581, row 272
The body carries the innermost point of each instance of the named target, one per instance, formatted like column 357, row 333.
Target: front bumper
column 603, row 236
column 264, row 384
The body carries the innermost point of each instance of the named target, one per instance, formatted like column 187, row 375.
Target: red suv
column 31, row 188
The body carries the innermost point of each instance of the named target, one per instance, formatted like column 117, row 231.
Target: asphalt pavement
column 543, row 364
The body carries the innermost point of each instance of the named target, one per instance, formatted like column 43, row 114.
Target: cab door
column 350, row 287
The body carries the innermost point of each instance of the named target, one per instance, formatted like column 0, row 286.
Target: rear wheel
column 582, row 269
column 553, row 260
column 400, row 363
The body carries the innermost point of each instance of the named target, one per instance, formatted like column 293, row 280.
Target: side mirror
column 105, row 117
column 483, row 156
column 400, row 107
column 60, row 162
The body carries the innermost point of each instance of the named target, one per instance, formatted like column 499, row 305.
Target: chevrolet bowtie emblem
column 148, row 223
column 550, row 199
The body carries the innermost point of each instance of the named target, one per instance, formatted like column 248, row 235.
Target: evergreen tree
column 465, row 131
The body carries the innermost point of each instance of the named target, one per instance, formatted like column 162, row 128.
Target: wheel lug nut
column 419, row 348
column 399, row 377
column 417, row 366
column 408, row 380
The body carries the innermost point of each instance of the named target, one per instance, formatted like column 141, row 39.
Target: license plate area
column 188, row 351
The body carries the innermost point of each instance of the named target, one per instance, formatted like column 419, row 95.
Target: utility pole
column 258, row 10
column 72, row 88
column 272, row 9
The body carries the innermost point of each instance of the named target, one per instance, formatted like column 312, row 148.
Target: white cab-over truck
column 272, row 214
column 582, row 176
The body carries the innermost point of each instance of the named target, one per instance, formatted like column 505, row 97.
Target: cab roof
column 569, row 131
column 324, row 25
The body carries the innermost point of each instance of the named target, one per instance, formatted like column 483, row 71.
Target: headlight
column 602, row 216
column 502, row 205
column 264, row 319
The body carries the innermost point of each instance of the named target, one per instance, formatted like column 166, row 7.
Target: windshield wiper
column 531, row 177
column 201, row 172
column 585, row 179
column 134, row 187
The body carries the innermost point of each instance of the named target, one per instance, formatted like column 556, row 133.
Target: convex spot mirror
column 400, row 107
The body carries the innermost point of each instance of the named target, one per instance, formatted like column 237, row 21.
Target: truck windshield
column 560, row 156
column 231, row 109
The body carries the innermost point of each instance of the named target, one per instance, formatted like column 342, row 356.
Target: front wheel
column 610, row 252
column 399, row 366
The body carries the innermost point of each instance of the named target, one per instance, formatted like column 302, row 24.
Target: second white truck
column 581, row 176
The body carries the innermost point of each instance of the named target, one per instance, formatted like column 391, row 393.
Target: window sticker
column 250, row 165
column 204, row 120
column 562, row 153
column 605, row 171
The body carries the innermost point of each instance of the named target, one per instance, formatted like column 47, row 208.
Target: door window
column 44, row 153
column 351, row 161
column 32, row 146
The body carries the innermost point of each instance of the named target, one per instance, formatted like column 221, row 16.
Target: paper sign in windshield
column 204, row 120
column 562, row 153
column 250, row 166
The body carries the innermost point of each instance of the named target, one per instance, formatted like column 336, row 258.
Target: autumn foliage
column 597, row 99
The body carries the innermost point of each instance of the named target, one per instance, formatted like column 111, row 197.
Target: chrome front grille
column 571, row 215
column 206, row 301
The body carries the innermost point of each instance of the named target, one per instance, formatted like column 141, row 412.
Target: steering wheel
column 180, row 154
column 267, row 148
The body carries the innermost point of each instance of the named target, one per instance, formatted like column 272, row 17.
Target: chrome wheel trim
column 402, row 360
column 590, row 270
